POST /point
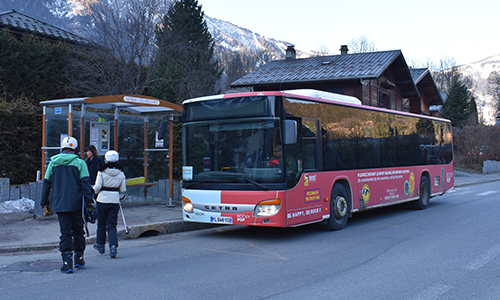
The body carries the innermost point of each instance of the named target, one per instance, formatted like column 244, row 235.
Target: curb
column 135, row 232
column 473, row 183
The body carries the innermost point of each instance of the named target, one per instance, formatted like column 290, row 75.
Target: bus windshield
column 234, row 150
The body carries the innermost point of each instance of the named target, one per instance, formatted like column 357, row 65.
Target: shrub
column 474, row 144
column 20, row 140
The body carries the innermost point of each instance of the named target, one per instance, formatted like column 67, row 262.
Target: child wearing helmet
column 110, row 182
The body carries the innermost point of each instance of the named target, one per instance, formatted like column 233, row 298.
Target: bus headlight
column 187, row 206
column 267, row 208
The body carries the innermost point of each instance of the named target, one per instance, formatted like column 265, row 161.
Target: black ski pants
column 72, row 231
column 107, row 218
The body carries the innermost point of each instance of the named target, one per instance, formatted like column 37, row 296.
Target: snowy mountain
column 234, row 38
column 479, row 72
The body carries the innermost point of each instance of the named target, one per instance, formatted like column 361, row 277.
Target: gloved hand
column 46, row 210
column 90, row 214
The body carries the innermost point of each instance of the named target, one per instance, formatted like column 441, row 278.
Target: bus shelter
column 133, row 125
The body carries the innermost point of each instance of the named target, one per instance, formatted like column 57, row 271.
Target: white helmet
column 111, row 156
column 69, row 142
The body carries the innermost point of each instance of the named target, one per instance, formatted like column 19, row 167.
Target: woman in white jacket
column 110, row 182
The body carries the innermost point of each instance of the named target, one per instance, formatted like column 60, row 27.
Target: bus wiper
column 255, row 183
column 188, row 185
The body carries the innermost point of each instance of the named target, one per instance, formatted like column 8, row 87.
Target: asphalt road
column 449, row 251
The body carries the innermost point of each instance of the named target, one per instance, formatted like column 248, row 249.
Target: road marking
column 487, row 193
column 272, row 253
column 432, row 293
column 483, row 259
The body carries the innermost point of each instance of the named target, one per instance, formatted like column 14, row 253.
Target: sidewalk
column 21, row 232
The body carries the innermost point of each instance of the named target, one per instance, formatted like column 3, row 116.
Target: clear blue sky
column 425, row 30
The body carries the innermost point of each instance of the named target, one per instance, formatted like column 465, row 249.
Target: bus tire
column 340, row 208
column 425, row 195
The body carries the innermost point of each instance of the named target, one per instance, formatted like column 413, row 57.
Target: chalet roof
column 418, row 74
column 21, row 23
column 425, row 83
column 370, row 65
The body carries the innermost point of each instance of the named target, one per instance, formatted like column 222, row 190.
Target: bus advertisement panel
column 284, row 159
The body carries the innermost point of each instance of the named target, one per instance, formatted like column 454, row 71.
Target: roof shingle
column 16, row 20
column 320, row 68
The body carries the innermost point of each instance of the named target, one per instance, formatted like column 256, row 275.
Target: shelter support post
column 70, row 120
column 115, row 142
column 44, row 139
column 170, row 162
column 146, row 147
column 82, row 130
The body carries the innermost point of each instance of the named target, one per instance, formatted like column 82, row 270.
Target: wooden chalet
column 430, row 97
column 381, row 79
column 20, row 24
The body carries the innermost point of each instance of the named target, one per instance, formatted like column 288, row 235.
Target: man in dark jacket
column 67, row 180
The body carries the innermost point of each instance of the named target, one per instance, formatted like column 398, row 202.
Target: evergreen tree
column 473, row 110
column 20, row 139
column 457, row 106
column 186, row 67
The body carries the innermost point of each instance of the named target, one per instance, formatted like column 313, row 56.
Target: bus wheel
column 425, row 195
column 340, row 208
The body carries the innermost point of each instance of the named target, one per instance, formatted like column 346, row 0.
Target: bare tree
column 361, row 45
column 447, row 72
column 494, row 89
column 126, row 31
column 238, row 64
column 322, row 50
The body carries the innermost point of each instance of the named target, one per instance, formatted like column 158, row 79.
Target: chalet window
column 406, row 102
column 384, row 100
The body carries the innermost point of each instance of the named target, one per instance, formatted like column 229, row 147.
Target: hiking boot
column 79, row 262
column 112, row 251
column 99, row 248
column 67, row 266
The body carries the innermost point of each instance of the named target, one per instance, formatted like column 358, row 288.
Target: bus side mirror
column 290, row 132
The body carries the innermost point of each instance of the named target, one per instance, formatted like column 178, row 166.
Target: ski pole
column 84, row 217
column 123, row 215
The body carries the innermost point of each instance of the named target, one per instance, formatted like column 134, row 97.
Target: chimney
column 343, row 49
column 290, row 52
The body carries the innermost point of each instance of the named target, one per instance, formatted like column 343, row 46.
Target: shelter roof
column 137, row 104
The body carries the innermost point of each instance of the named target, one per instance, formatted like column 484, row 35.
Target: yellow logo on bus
column 412, row 183
column 365, row 192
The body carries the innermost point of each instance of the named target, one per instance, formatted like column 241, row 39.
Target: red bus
column 290, row 158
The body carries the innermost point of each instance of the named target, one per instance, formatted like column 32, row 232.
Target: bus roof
column 311, row 94
column 301, row 93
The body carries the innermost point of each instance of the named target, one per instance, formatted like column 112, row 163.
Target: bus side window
column 309, row 137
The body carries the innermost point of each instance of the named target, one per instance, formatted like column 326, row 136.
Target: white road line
column 487, row 193
column 434, row 292
column 483, row 259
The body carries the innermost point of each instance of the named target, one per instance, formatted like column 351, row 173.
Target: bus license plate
column 221, row 220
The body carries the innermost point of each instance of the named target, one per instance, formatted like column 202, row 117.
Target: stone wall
column 491, row 166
